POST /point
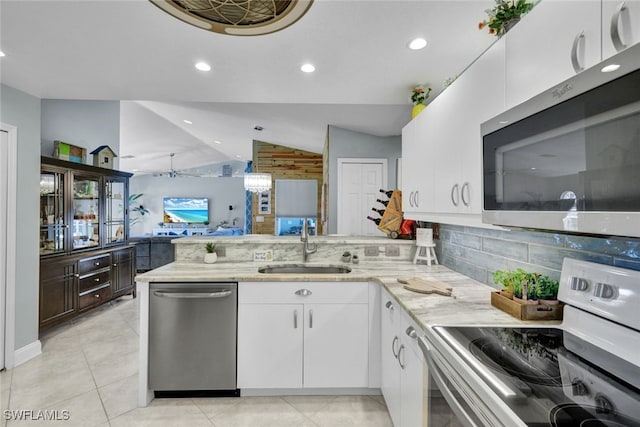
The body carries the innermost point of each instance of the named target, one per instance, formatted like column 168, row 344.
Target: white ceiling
column 130, row 50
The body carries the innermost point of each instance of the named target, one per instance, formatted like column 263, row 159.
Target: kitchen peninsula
column 368, row 282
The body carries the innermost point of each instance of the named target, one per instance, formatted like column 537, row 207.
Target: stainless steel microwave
column 569, row 158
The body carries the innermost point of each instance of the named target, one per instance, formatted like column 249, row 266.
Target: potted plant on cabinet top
column 504, row 15
column 419, row 95
column 211, row 256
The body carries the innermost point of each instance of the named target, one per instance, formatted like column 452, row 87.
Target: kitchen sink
column 304, row 269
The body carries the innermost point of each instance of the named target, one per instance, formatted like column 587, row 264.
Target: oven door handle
column 434, row 370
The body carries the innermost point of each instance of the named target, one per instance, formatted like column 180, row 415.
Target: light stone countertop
column 469, row 305
column 250, row 239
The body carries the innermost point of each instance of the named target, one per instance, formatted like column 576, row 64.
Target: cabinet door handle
column 310, row 319
column 575, row 61
column 614, row 28
column 401, row 360
column 454, row 190
column 115, row 265
column 393, row 347
column 303, row 292
column 411, row 332
column 295, row 319
column 411, row 199
column 416, row 198
column 389, row 305
column 465, row 201
column 76, row 275
column 97, row 279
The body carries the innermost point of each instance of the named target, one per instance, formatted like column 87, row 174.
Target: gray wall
column 221, row 192
column 23, row 111
column 87, row 124
column 344, row 143
column 478, row 252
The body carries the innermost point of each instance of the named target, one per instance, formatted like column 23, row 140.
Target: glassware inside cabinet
column 115, row 210
column 53, row 228
column 86, row 213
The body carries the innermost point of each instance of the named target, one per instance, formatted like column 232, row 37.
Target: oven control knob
column 579, row 284
column 605, row 291
column 578, row 388
column 603, row 405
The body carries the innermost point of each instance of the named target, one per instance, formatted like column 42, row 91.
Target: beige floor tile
column 50, row 378
column 120, row 396
column 84, row 410
column 112, row 369
column 252, row 412
column 5, row 393
column 309, row 405
column 164, row 413
column 111, row 346
column 353, row 411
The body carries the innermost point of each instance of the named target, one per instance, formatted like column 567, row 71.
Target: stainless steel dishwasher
column 192, row 337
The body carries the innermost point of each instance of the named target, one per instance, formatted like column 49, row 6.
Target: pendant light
column 257, row 182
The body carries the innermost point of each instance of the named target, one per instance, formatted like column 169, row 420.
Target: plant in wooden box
column 547, row 289
column 517, row 283
column 211, row 256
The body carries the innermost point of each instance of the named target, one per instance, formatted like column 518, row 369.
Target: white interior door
column 359, row 184
column 4, row 178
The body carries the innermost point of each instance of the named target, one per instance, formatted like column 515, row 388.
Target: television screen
column 186, row 209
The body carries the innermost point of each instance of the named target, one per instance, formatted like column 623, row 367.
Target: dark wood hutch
column 85, row 257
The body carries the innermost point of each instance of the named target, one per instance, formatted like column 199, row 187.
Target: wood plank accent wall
column 283, row 163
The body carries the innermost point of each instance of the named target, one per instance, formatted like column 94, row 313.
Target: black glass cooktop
column 553, row 377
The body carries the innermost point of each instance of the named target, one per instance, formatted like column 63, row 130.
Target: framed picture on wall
column 264, row 203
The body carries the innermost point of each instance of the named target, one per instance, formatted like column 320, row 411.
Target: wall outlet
column 371, row 251
column 263, row 255
column 221, row 251
column 392, row 250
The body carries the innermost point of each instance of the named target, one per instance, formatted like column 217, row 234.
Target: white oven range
column 584, row 372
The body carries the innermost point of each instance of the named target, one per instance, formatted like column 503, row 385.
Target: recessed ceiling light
column 1, row 54
column 609, row 68
column 135, row 170
column 308, row 68
column 417, row 44
column 238, row 155
column 189, row 122
column 203, row 66
column 217, row 142
column 258, row 128
column 503, row 122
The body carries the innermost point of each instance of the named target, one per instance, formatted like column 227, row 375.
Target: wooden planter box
column 526, row 311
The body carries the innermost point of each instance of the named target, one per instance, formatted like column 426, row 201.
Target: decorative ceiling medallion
column 237, row 17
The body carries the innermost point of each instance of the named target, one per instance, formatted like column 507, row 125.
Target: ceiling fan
column 172, row 173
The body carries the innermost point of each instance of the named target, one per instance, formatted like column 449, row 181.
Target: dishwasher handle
column 218, row 294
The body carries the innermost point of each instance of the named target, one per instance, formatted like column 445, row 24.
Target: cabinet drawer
column 95, row 296
column 88, row 265
column 320, row 292
column 95, row 280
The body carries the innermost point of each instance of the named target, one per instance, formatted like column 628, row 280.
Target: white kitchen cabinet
column 303, row 335
column 270, row 340
column 553, row 42
column 620, row 25
column 402, row 371
column 449, row 133
column 417, row 162
column 336, row 345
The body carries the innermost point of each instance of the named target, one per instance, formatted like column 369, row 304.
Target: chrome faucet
column 307, row 248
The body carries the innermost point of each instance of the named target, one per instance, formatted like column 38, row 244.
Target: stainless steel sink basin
column 304, row 269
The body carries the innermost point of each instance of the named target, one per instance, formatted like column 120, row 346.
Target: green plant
column 419, row 94
column 504, row 14
column 210, row 247
column 538, row 286
column 346, row 253
column 139, row 209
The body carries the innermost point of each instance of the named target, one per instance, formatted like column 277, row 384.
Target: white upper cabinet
column 441, row 148
column 417, row 161
column 556, row 40
column 620, row 25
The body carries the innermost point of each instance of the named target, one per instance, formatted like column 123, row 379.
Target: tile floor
column 89, row 368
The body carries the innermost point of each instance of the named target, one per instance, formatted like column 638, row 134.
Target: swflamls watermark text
column 36, row 415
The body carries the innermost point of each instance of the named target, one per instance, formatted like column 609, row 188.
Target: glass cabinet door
column 85, row 228
column 53, row 227
column 115, row 205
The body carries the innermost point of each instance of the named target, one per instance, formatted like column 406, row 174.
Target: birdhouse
column 103, row 157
